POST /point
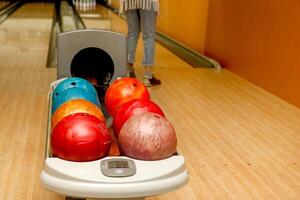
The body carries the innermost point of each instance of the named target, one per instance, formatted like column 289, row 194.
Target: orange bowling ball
column 76, row 106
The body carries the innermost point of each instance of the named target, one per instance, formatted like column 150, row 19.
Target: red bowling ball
column 131, row 108
column 80, row 137
column 147, row 136
column 123, row 90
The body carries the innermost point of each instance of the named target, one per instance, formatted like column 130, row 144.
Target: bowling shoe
column 150, row 82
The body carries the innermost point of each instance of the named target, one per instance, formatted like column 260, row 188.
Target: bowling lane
column 24, row 83
column 24, row 36
column 99, row 17
column 3, row 4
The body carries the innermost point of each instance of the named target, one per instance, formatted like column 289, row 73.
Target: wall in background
column 260, row 41
column 184, row 21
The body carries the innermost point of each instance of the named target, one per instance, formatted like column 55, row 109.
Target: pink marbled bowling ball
column 147, row 136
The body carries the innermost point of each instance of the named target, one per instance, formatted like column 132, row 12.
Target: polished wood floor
column 240, row 142
column 3, row 4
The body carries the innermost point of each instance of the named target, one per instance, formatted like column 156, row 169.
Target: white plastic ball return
column 112, row 176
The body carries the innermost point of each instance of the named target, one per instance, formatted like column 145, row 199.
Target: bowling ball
column 59, row 98
column 76, row 106
column 123, row 90
column 133, row 107
column 74, row 82
column 92, row 80
column 80, row 137
column 147, row 136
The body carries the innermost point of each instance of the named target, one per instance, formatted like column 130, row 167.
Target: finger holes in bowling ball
column 56, row 94
column 73, row 83
column 134, row 85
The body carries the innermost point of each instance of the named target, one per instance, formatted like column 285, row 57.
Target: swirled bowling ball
column 133, row 107
column 123, row 90
column 73, row 93
column 80, row 137
column 147, row 136
column 76, row 106
column 73, row 88
column 74, row 82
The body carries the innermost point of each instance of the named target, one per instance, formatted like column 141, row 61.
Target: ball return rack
column 113, row 177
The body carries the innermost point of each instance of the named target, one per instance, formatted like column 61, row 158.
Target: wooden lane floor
column 239, row 141
column 3, row 4
column 102, row 18
column 24, row 83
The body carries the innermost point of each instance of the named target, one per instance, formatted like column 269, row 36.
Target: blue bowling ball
column 74, row 82
column 58, row 98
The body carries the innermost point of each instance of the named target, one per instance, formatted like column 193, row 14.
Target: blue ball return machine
column 102, row 53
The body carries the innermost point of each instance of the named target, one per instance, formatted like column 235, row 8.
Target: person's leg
column 133, row 25
column 148, row 26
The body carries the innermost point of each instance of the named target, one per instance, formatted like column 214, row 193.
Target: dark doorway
column 95, row 65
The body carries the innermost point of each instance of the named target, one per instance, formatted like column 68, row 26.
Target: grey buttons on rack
column 118, row 167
